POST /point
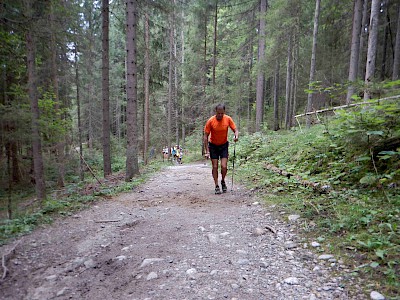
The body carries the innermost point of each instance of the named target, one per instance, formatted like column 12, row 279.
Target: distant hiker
column 217, row 146
column 165, row 153
column 173, row 153
column 152, row 151
column 179, row 154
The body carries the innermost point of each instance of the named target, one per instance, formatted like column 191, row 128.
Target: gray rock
column 315, row 244
column 290, row 245
column 212, row 238
column 62, row 292
column 377, row 296
column 243, row 261
column 325, row 256
column 293, row 218
column 191, row 273
column 149, row 261
column 151, row 276
column 89, row 263
column 292, row 280
column 121, row 257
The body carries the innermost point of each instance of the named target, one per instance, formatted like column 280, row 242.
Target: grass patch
column 356, row 220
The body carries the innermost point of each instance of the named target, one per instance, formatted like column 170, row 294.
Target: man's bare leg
column 224, row 171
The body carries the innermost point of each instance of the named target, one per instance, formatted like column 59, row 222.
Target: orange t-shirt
column 219, row 129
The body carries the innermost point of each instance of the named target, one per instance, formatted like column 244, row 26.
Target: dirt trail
column 172, row 238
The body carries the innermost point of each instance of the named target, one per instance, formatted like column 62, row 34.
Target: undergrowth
column 352, row 201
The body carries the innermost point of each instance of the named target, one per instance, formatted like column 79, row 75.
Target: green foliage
column 354, row 155
column 373, row 133
column 52, row 122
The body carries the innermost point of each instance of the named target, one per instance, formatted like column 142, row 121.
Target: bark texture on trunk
column 396, row 61
column 106, row 90
column 355, row 48
column 146, row 86
column 132, row 165
column 313, row 60
column 372, row 47
column 276, row 96
column 38, row 168
column 260, row 76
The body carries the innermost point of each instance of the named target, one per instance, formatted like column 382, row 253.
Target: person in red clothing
column 216, row 143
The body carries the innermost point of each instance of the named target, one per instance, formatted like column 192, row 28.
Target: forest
column 96, row 89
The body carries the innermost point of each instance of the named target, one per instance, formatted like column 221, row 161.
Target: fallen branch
column 4, row 259
column 306, row 183
column 346, row 106
column 272, row 229
column 87, row 165
column 107, row 221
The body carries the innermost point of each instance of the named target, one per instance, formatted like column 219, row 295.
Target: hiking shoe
column 217, row 190
column 223, row 185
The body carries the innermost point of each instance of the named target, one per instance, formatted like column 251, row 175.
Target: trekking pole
column 233, row 165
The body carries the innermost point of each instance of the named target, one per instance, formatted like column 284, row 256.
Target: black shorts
column 218, row 151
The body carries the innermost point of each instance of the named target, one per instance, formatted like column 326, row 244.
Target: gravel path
column 172, row 238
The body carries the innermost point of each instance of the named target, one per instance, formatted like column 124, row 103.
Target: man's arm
column 236, row 138
column 205, row 145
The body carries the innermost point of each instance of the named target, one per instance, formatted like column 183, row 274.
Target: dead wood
column 314, row 185
column 272, row 229
column 107, row 221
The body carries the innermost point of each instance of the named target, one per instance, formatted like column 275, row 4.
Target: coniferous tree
column 355, row 47
column 260, row 74
column 313, row 59
column 106, row 89
column 33, row 97
column 146, row 85
column 132, row 165
column 372, row 47
column 396, row 61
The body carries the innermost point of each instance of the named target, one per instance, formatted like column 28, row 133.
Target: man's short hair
column 220, row 105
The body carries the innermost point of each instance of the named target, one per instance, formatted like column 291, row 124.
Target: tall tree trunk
column 183, row 120
column 106, row 90
column 36, row 139
column 204, row 75
column 288, row 82
column 261, row 58
column 54, row 79
column 363, row 37
column 313, row 60
column 396, row 61
column 170, row 84
column 385, row 8
column 276, row 96
column 90, row 88
column 372, row 47
column 175, row 85
column 132, row 165
column 249, row 70
column 293, row 86
column 146, row 86
column 295, row 60
column 215, row 47
column 78, row 104
column 355, row 48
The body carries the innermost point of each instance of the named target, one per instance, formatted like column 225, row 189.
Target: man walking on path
column 217, row 146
